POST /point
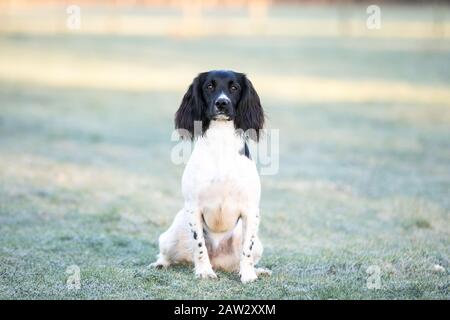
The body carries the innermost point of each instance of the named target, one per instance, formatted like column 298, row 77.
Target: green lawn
column 364, row 178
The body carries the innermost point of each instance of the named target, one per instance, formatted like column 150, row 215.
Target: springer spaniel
column 218, row 225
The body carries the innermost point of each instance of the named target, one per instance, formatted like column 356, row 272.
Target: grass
column 364, row 179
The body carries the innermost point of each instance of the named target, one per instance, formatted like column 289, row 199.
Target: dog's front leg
column 203, row 268
column 250, row 222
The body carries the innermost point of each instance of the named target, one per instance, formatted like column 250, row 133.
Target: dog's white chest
column 221, row 181
column 221, row 202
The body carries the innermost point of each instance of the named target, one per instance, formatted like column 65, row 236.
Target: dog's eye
column 210, row 86
column 233, row 88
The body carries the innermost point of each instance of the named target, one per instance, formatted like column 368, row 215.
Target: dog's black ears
column 191, row 110
column 249, row 112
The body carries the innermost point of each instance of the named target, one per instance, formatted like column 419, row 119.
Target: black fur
column 245, row 151
column 249, row 112
column 192, row 109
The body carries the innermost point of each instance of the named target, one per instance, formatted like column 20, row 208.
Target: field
column 364, row 156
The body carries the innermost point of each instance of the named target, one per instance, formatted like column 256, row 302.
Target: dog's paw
column 205, row 272
column 263, row 272
column 248, row 275
column 157, row 265
column 160, row 264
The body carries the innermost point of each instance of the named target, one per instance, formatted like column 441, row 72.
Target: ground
column 86, row 176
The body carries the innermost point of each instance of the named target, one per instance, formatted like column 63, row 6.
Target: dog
column 218, row 225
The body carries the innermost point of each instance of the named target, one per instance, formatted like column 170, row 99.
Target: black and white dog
column 218, row 225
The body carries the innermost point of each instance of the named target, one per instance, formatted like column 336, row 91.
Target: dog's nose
column 221, row 103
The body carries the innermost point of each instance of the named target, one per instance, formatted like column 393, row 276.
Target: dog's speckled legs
column 250, row 222
column 203, row 268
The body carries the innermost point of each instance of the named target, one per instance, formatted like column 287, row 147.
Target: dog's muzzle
column 222, row 108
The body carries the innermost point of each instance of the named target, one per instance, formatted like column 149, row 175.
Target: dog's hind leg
column 263, row 272
column 161, row 262
column 171, row 244
column 165, row 244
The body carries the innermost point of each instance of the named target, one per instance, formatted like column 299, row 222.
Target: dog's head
column 221, row 96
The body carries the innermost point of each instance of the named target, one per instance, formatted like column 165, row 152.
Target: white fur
column 221, row 190
column 223, row 96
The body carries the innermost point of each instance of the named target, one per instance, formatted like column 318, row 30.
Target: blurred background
column 88, row 90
